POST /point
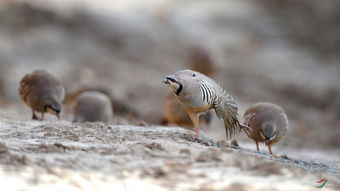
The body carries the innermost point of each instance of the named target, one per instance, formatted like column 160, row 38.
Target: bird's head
column 268, row 132
column 53, row 107
column 182, row 80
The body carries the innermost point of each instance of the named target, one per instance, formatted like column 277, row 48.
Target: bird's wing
column 248, row 117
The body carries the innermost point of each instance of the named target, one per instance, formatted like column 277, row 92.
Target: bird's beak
column 174, row 84
column 166, row 81
column 170, row 79
column 53, row 111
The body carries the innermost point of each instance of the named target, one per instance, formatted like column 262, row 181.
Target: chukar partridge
column 268, row 122
column 199, row 60
column 198, row 94
column 43, row 92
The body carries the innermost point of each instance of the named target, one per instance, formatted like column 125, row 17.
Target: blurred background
column 285, row 52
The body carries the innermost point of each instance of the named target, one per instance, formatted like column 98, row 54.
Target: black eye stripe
column 170, row 79
column 179, row 90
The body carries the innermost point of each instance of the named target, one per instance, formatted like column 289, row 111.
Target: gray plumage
column 43, row 92
column 173, row 113
column 268, row 121
column 93, row 106
column 198, row 93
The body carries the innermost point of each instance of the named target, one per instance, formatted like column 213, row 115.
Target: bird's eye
column 193, row 75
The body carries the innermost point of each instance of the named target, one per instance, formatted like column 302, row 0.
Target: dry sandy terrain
column 93, row 156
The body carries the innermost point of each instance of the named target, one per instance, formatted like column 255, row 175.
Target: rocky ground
column 94, row 156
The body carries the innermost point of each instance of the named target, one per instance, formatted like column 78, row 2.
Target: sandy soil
column 93, row 156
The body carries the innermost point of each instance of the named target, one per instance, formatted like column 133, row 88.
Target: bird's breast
column 192, row 100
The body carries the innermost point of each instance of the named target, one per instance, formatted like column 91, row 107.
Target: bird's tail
column 226, row 110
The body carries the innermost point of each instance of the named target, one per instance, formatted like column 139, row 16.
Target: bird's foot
column 203, row 141
column 275, row 156
column 283, row 156
column 197, row 140
column 246, row 129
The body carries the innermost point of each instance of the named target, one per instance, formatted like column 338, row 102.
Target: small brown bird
column 93, row 106
column 198, row 94
column 42, row 92
column 174, row 113
column 268, row 121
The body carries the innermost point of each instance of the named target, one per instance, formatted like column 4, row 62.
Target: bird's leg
column 270, row 151
column 257, row 146
column 42, row 116
column 34, row 116
column 195, row 120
